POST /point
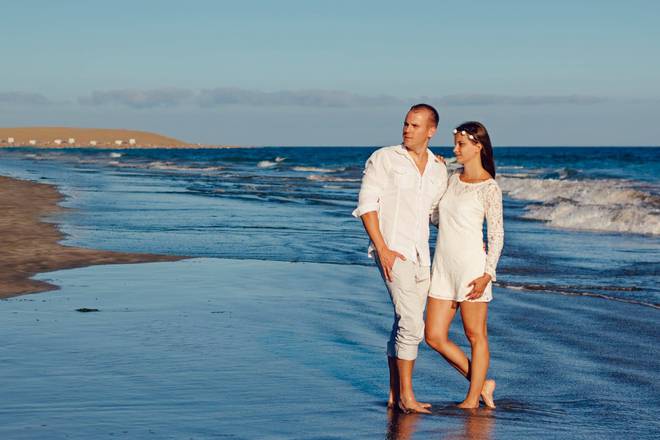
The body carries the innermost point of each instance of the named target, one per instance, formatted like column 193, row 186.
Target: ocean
column 573, row 325
column 578, row 221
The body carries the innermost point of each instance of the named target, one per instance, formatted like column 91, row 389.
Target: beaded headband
column 465, row 133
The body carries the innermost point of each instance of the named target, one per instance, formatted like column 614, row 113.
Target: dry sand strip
column 28, row 245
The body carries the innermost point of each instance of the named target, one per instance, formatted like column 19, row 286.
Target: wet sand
column 30, row 245
column 212, row 348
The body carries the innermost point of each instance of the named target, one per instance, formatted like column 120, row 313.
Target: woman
column 462, row 271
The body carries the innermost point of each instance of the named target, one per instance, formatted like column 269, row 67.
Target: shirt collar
column 401, row 149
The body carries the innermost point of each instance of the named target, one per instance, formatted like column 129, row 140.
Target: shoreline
column 31, row 245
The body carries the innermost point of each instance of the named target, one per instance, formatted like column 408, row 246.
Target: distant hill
column 60, row 137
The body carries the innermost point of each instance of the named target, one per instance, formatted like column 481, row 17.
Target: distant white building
column 32, row 142
column 10, row 140
column 92, row 143
column 58, row 141
column 118, row 142
column 72, row 140
column 131, row 141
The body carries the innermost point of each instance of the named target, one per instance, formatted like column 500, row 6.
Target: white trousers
column 408, row 290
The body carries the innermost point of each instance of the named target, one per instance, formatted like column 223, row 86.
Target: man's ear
column 432, row 132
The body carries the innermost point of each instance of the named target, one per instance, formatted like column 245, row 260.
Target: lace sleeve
column 495, row 223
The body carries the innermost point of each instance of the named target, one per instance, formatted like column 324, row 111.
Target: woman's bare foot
column 468, row 405
column 413, row 406
column 487, row 393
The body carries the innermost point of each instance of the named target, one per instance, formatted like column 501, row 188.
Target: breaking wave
column 599, row 205
column 266, row 164
column 171, row 166
column 322, row 178
column 318, row 170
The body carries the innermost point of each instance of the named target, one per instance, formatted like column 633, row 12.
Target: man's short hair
column 432, row 112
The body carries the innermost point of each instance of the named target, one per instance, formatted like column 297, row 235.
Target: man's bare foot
column 487, row 393
column 409, row 406
column 468, row 405
column 391, row 400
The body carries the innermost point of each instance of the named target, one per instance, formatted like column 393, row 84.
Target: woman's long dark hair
column 478, row 130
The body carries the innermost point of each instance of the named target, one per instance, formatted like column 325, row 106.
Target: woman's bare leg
column 439, row 315
column 475, row 317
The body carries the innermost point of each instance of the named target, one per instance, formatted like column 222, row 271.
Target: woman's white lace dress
column 459, row 253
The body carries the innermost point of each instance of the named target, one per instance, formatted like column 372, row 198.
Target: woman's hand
column 478, row 286
column 387, row 258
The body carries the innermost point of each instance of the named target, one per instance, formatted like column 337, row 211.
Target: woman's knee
column 476, row 336
column 435, row 338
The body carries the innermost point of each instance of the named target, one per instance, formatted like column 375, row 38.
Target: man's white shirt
column 404, row 199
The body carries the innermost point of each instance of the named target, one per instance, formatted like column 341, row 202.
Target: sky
column 574, row 73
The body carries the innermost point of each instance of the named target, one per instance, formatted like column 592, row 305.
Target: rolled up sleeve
column 373, row 184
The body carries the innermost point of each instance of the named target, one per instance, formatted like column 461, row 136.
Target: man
column 401, row 186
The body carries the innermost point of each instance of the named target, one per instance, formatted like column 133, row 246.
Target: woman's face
column 465, row 149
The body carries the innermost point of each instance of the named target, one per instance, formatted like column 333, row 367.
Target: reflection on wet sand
column 477, row 423
column 400, row 426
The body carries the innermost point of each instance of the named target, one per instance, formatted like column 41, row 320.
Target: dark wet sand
column 212, row 348
column 29, row 245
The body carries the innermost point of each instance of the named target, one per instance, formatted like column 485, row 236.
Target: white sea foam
column 266, row 164
column 279, row 159
column 318, row 170
column 518, row 175
column 116, row 155
column 171, row 166
column 322, row 178
column 600, row 205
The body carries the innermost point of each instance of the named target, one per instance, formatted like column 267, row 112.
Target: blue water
column 578, row 221
column 281, row 332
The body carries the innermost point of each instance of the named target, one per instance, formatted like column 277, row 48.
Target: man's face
column 417, row 129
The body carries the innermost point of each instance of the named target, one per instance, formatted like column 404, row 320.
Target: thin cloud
column 300, row 98
column 484, row 99
column 23, row 98
column 317, row 98
column 139, row 99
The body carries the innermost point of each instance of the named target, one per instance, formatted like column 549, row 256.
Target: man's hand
column 387, row 257
column 478, row 286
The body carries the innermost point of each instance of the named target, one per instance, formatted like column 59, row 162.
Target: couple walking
column 403, row 188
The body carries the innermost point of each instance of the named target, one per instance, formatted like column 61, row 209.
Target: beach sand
column 211, row 348
column 45, row 137
column 220, row 348
column 30, row 245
